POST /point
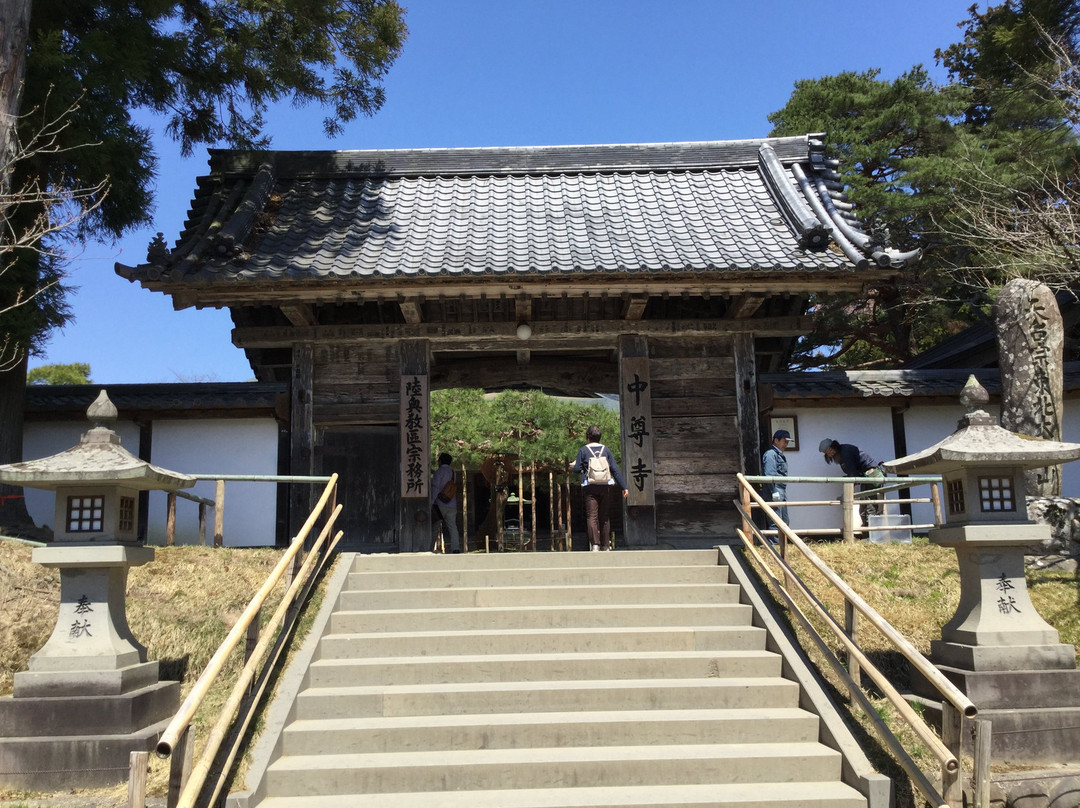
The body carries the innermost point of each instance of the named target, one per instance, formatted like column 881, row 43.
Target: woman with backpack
column 599, row 475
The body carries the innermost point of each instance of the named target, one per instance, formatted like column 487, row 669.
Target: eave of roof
column 254, row 398
column 866, row 384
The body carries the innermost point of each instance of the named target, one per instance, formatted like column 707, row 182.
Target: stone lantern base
column 1001, row 653
column 90, row 698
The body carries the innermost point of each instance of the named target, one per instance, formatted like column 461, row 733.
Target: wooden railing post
column 202, row 524
column 170, row 520
column 219, row 514
column 744, row 496
column 137, row 770
column 851, row 628
column 935, row 497
column 183, row 755
column 847, row 512
column 952, row 787
column 981, row 775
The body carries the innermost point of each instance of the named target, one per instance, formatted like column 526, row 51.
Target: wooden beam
column 745, row 306
column 302, row 431
column 568, row 375
column 301, row 314
column 566, row 335
column 634, row 307
column 410, row 310
column 210, row 295
column 523, row 356
column 747, row 404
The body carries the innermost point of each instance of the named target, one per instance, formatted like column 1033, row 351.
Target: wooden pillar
column 635, row 416
column 746, row 403
column 302, row 429
column 415, row 534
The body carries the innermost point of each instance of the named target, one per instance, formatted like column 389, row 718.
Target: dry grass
column 181, row 606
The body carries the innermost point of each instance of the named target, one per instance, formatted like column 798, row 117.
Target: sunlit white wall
column 223, row 446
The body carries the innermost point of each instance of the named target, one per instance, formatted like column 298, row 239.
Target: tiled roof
column 892, row 383
column 231, row 397
column 769, row 205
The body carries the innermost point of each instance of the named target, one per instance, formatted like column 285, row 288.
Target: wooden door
column 365, row 459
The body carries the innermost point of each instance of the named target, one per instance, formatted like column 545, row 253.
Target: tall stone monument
column 1030, row 337
column 90, row 697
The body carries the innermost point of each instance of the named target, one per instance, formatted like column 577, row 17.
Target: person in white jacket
column 448, row 508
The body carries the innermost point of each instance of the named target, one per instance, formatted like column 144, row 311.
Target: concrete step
column 606, row 766
column 539, row 617
column 713, row 795
column 546, row 680
column 479, row 561
column 495, row 596
column 540, row 697
column 538, row 730
column 542, row 667
column 534, row 576
column 540, row 641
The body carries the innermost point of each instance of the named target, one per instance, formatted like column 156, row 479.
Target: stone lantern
column 90, row 697
column 997, row 648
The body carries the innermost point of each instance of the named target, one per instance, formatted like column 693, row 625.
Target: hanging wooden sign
column 637, row 441
column 415, row 443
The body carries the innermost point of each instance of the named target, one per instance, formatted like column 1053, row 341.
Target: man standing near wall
column 774, row 464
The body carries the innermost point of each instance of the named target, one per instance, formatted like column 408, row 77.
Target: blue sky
column 513, row 73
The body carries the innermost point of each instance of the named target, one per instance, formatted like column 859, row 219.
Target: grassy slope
column 184, row 603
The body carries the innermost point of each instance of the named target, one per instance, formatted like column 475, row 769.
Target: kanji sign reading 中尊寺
column 414, row 435
column 636, row 398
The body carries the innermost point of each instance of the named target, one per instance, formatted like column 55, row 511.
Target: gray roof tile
column 634, row 208
column 867, row 384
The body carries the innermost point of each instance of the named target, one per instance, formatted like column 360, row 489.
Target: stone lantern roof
column 980, row 441
column 98, row 459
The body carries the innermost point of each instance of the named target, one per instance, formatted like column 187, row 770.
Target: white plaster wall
column 42, row 439
column 1070, row 433
column 869, row 428
column 222, row 446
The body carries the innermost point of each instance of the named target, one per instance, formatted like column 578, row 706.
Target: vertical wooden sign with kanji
column 415, row 444
column 637, row 431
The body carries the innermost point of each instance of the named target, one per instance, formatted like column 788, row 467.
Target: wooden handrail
column 201, row 770
column 887, row 736
column 182, row 719
column 947, row 689
column 954, row 702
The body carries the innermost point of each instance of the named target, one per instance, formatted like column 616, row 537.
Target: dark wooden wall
column 696, row 436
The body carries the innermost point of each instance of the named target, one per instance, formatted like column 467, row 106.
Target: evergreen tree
column 211, row 68
column 913, row 152
column 75, row 373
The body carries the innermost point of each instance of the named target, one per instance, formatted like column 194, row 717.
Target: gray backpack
column 599, row 471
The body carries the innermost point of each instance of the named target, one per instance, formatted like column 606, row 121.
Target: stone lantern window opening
column 126, row 520
column 954, row 492
column 996, row 494
column 85, row 514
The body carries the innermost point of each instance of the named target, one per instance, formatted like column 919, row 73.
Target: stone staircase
column 549, row 680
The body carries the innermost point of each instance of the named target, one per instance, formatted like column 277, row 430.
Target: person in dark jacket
column 598, row 494
column 855, row 463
